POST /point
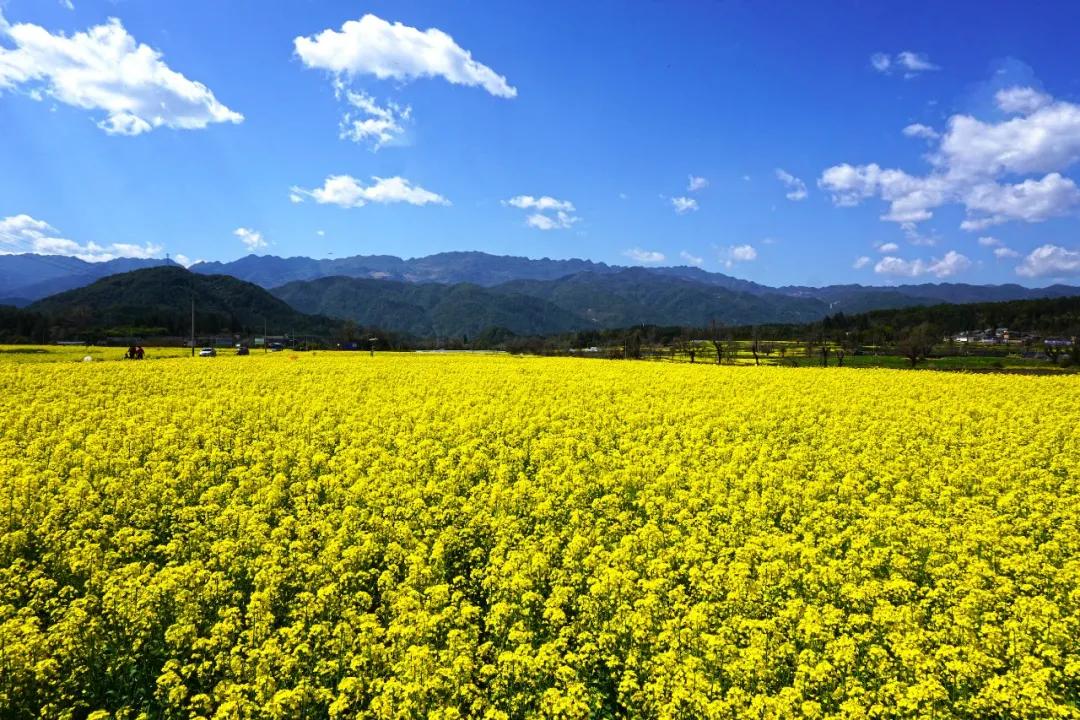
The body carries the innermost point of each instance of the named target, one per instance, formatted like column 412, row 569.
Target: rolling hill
column 161, row 297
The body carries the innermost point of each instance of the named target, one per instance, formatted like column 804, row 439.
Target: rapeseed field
column 410, row 536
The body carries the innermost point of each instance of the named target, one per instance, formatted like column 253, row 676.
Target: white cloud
column 20, row 226
column 911, row 62
column 1044, row 140
column 743, row 253
column 691, row 259
column 67, row 4
column 550, row 213
column 25, row 234
column 376, row 124
column 910, row 197
column 347, row 192
column 889, row 247
column 796, row 187
column 918, row 130
column 1031, row 201
column 684, row 205
column 395, row 51
column 861, row 262
column 975, row 163
column 320, row 233
column 1003, row 252
column 737, row 253
column 252, row 240
column 1050, row 261
column 951, row 264
column 105, row 69
column 913, row 236
column 644, row 256
column 184, row 260
column 696, row 183
column 1022, row 100
column 542, row 203
column 987, row 241
column 914, row 62
column 561, row 220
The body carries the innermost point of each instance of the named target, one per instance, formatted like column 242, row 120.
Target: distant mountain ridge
column 449, row 267
column 26, row 278
column 160, row 297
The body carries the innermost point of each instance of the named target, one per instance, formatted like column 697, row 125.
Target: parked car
column 208, row 352
column 243, row 350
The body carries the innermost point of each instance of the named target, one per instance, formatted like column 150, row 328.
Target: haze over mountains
column 467, row 292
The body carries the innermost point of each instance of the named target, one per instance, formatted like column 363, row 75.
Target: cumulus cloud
column 561, row 220
column 889, row 247
column 988, row 241
column 684, row 205
column 743, row 253
column 913, row 236
column 918, row 130
column 542, row 203
column 252, row 240
column 796, row 187
column 733, row 254
column 347, row 192
column 910, row 63
column 975, row 164
column 915, row 62
column 395, row 51
column 861, row 262
column 371, row 122
column 1002, row 253
column 644, row 256
column 951, row 264
column 691, row 259
column 1031, row 201
column 548, row 213
column 25, row 234
column 105, row 69
column 880, row 62
column 1050, row 261
column 1023, row 100
column 696, row 183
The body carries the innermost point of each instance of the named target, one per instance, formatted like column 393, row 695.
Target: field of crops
column 410, row 536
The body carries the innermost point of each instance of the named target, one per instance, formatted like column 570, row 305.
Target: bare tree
column 716, row 340
column 917, row 343
column 755, row 346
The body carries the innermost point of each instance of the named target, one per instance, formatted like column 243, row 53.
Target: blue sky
column 551, row 130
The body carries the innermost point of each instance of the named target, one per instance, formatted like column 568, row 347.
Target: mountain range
column 463, row 293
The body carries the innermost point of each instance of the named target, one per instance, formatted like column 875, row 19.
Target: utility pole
column 193, row 324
